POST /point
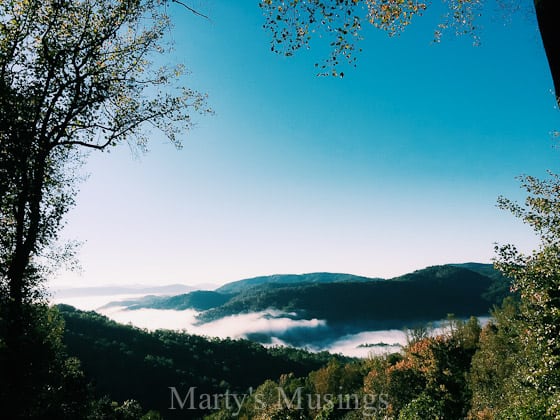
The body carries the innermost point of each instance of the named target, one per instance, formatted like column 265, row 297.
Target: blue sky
column 393, row 168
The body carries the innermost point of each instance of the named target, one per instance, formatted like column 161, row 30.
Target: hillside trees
column 516, row 371
column 49, row 384
column 75, row 75
column 294, row 23
column 495, row 378
column 126, row 362
column 427, row 380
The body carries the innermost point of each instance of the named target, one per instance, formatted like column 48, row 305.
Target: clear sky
column 393, row 168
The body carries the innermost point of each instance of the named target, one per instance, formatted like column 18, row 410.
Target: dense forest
column 110, row 370
column 128, row 363
column 113, row 371
column 463, row 372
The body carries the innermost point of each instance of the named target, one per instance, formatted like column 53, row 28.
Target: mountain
column 243, row 285
column 500, row 287
column 426, row 294
column 487, row 270
column 126, row 362
column 200, row 300
column 204, row 300
column 350, row 301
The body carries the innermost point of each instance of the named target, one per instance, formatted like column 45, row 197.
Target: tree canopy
column 74, row 75
column 536, row 277
column 294, row 23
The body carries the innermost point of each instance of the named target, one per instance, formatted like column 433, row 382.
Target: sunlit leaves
column 461, row 18
column 293, row 24
column 87, row 66
column 393, row 16
column 542, row 207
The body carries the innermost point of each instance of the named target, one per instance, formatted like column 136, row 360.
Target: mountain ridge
column 430, row 293
column 426, row 294
column 315, row 277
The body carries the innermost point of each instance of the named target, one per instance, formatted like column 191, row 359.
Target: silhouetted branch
column 190, row 9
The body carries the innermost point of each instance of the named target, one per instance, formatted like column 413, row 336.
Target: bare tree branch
column 190, row 9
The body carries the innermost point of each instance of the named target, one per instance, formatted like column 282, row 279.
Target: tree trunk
column 18, row 327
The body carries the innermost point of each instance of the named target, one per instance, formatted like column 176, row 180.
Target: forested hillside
column 126, row 363
column 424, row 295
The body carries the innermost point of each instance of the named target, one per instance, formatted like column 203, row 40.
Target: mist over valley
column 340, row 313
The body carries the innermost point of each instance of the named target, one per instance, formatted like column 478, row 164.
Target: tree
column 498, row 369
column 429, row 379
column 293, row 24
column 537, row 279
column 75, row 75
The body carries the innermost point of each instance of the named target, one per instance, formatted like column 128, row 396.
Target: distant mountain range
column 170, row 289
column 341, row 299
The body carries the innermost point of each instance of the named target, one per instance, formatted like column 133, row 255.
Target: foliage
column 293, row 23
column 537, row 279
column 55, row 384
column 85, row 68
column 428, row 380
column 333, row 391
column 493, row 379
column 74, row 75
column 434, row 369
column 499, row 371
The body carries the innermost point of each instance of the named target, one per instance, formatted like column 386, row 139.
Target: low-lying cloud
column 270, row 327
column 235, row 326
